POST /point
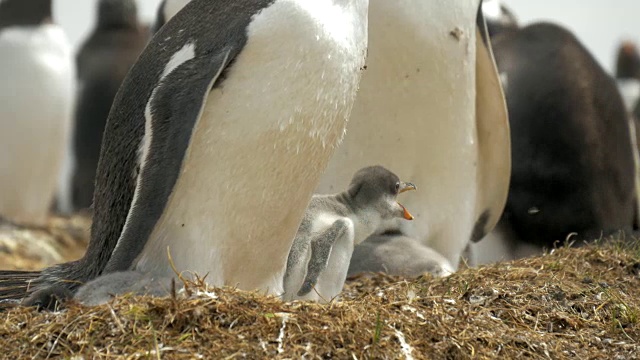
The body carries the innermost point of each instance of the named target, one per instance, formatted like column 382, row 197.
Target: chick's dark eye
column 397, row 186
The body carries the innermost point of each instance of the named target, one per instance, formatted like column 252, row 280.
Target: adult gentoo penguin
column 36, row 100
column 430, row 69
column 103, row 62
column 217, row 139
column 332, row 225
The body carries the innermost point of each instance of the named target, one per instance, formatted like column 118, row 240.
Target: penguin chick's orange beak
column 406, row 214
column 406, row 187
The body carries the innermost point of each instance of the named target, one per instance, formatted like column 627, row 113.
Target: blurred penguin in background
column 499, row 18
column 628, row 73
column 103, row 61
column 628, row 61
column 572, row 146
column 628, row 81
column 36, row 108
column 166, row 10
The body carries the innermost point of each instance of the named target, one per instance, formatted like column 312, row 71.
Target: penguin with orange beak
column 333, row 225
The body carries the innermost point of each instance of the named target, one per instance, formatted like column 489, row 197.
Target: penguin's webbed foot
column 50, row 298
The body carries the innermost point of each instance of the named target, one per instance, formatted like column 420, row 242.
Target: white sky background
column 599, row 24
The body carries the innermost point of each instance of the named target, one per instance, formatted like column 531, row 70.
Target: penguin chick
column 333, row 225
column 398, row 255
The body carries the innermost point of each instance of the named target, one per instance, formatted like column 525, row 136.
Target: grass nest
column 571, row 303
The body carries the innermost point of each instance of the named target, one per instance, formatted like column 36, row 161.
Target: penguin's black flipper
column 320, row 251
column 172, row 112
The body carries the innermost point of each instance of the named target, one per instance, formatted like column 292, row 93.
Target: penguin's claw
column 50, row 298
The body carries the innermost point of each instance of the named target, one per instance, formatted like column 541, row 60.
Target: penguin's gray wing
column 321, row 247
column 171, row 115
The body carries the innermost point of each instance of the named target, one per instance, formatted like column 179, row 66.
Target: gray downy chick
column 398, row 255
column 332, row 225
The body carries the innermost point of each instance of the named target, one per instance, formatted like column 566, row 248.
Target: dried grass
column 573, row 303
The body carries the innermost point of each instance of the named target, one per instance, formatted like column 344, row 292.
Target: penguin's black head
column 117, row 13
column 376, row 188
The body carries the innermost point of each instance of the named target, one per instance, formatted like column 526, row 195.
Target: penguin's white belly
column 260, row 147
column 415, row 114
column 36, row 101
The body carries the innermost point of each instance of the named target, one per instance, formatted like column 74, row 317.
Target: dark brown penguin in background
column 103, row 62
column 573, row 161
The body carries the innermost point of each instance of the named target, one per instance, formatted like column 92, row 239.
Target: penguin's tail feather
column 16, row 285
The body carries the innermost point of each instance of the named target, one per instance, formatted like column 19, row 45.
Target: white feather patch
column 183, row 55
